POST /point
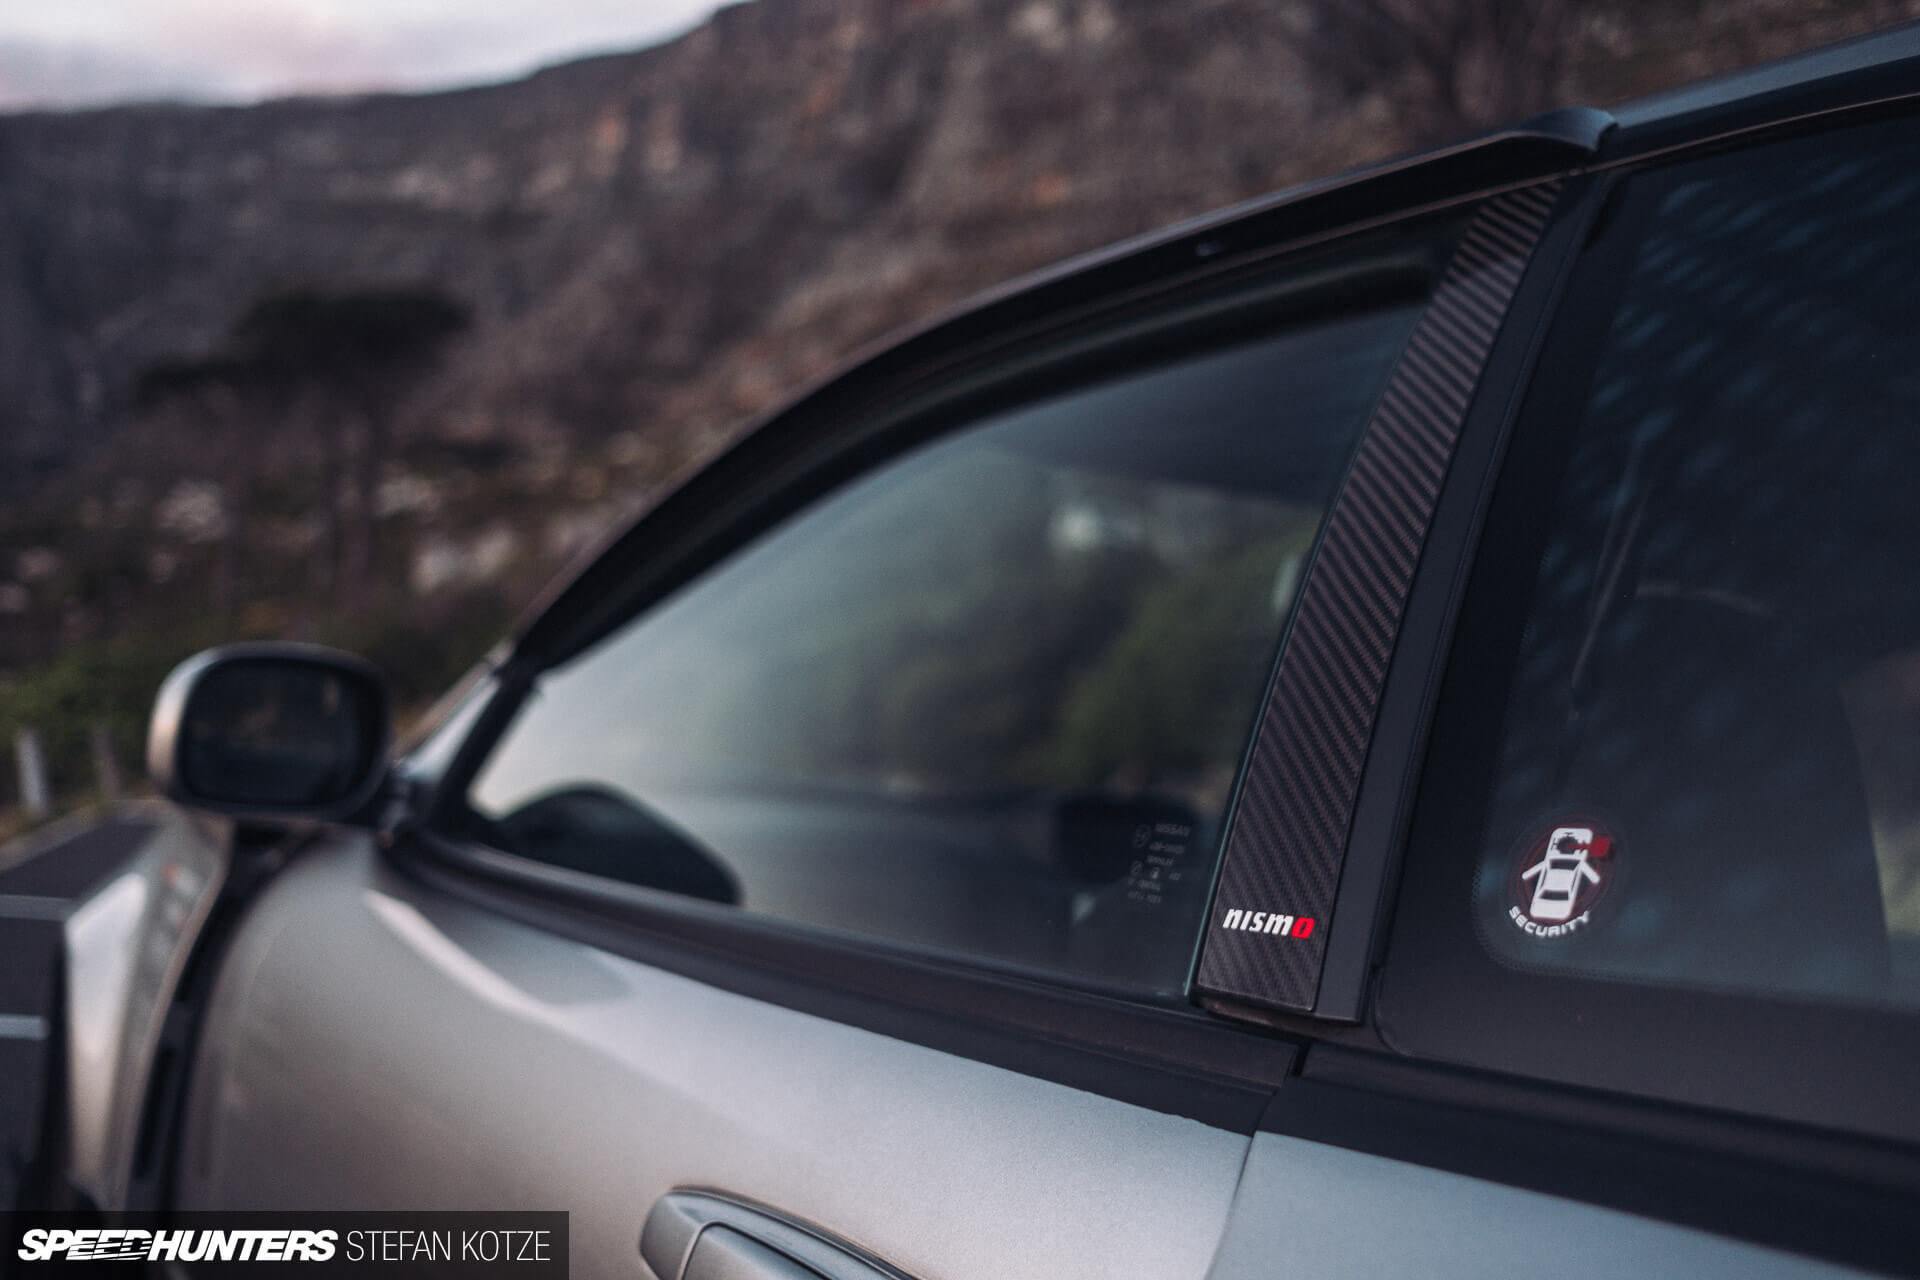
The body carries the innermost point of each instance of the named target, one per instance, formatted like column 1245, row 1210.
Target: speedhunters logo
column 124, row 1244
column 442, row 1244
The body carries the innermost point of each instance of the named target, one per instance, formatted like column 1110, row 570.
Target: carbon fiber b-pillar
column 1266, row 936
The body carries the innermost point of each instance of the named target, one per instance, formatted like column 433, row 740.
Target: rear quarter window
column 1672, row 791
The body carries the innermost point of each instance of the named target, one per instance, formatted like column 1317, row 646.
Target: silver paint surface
column 1308, row 1209
column 374, row 1045
column 127, row 944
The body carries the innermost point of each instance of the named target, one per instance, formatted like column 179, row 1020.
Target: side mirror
column 273, row 731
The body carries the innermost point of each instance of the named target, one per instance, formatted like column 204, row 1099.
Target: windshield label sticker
column 1561, row 875
column 1158, row 849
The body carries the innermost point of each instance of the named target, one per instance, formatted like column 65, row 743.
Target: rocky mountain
column 663, row 241
column 762, row 195
column 644, row 250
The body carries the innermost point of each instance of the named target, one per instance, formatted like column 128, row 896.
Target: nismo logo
column 1269, row 922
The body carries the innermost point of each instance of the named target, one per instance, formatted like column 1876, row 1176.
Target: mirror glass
column 279, row 732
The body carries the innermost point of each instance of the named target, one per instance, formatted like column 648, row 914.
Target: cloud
column 43, row 74
column 257, row 49
column 90, row 51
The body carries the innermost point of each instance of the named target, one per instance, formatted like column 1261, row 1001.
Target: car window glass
column 1706, row 772
column 989, row 699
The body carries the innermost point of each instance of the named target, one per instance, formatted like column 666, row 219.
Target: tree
column 337, row 365
column 225, row 396
column 356, row 355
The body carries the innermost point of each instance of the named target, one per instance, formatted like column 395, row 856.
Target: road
column 41, row 880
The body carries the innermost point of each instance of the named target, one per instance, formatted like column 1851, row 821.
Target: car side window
column 1676, row 758
column 989, row 699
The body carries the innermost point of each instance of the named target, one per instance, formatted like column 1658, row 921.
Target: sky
column 67, row 53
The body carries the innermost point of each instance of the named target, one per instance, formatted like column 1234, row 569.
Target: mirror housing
column 278, row 732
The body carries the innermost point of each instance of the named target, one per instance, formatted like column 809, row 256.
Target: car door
column 835, row 851
column 842, row 853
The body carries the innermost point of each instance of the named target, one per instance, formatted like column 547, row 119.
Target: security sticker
column 1560, row 876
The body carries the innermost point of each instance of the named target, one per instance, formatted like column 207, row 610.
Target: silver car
column 1056, row 800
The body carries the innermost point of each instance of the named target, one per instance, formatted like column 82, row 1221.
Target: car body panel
column 1305, row 1208
column 373, row 1043
column 127, row 947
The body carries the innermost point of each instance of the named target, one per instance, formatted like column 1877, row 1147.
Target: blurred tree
column 1449, row 67
column 333, row 366
column 356, row 355
column 223, row 397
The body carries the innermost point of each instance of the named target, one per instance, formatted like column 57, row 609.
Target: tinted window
column 989, row 699
column 1717, row 697
column 1665, row 840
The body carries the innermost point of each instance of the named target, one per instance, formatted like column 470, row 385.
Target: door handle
column 706, row 1235
column 721, row 1253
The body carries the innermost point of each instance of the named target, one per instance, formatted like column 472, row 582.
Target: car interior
column 1722, row 579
